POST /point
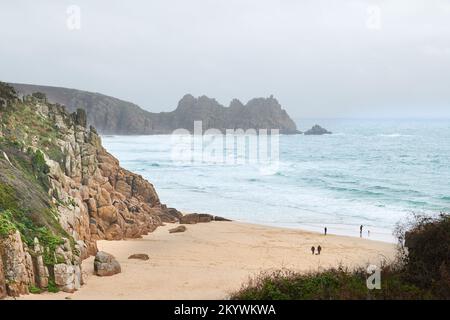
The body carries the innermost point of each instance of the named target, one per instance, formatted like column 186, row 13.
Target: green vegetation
column 25, row 204
column 11, row 221
column 6, row 226
column 27, row 139
column 52, row 287
column 39, row 95
column 34, row 290
column 421, row 272
column 7, row 92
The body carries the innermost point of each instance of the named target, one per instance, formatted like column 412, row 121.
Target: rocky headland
column 114, row 116
column 60, row 192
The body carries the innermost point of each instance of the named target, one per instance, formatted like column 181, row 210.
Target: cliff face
column 113, row 116
column 60, row 191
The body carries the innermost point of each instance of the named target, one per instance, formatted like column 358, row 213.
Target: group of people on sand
column 319, row 249
column 325, row 230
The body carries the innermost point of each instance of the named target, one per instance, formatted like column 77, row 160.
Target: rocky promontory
column 60, row 192
column 114, row 116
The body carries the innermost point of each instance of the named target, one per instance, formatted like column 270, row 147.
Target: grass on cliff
column 25, row 204
column 422, row 272
column 26, row 207
column 26, row 127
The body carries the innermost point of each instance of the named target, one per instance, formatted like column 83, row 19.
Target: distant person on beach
column 319, row 248
column 325, row 230
column 313, row 249
column 368, row 233
column 360, row 230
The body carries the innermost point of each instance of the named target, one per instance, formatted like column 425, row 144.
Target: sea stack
column 317, row 131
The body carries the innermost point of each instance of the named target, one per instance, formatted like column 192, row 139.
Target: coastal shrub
column 34, row 290
column 7, row 91
column 52, row 287
column 6, row 226
column 426, row 252
column 420, row 272
column 39, row 95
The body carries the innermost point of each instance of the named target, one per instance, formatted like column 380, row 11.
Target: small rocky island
column 317, row 131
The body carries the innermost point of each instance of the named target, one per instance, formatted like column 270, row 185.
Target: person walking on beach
column 368, row 233
column 313, row 249
column 360, row 230
column 319, row 248
column 325, row 230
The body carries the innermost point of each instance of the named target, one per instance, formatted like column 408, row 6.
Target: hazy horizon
column 320, row 59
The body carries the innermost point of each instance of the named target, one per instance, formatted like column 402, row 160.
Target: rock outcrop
column 113, row 116
column 317, row 130
column 193, row 218
column 60, row 192
column 105, row 265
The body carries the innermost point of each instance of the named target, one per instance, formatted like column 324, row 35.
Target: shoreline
column 211, row 260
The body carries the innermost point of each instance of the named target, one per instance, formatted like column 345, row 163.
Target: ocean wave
column 394, row 135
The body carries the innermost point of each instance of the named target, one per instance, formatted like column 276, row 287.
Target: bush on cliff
column 7, row 92
column 421, row 272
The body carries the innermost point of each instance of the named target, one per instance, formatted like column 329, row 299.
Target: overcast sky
column 320, row 58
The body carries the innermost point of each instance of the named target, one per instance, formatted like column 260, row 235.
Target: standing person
column 368, row 233
column 319, row 248
column 360, row 230
column 325, row 230
column 313, row 249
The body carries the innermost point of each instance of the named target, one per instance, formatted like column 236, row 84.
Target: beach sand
column 211, row 260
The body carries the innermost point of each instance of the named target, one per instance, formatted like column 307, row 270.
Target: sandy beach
column 211, row 260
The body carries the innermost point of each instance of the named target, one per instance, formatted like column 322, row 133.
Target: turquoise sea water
column 369, row 172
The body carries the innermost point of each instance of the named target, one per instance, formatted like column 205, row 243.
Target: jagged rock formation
column 60, row 191
column 317, row 130
column 113, row 116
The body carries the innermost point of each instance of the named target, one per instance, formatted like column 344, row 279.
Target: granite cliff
column 60, row 191
column 113, row 116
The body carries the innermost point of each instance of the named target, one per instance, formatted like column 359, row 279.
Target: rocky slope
column 60, row 191
column 113, row 116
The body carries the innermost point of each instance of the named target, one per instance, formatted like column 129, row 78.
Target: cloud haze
column 320, row 58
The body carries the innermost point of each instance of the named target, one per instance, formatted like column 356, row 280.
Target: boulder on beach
column 191, row 218
column 170, row 215
column 106, row 265
column 178, row 229
column 139, row 256
column 217, row 218
column 317, row 130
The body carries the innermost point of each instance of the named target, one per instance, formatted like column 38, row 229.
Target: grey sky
column 319, row 58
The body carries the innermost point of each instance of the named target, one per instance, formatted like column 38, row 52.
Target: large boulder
column 67, row 277
column 106, row 265
column 170, row 215
column 191, row 218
